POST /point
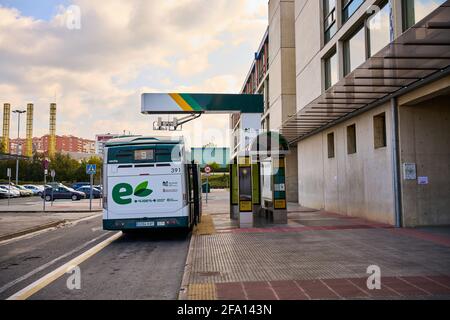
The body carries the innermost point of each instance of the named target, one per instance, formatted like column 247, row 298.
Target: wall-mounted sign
column 409, row 171
column 422, row 180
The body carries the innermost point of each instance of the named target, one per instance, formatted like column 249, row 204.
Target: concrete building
column 372, row 90
column 272, row 74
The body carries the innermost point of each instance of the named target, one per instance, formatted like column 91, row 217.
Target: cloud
column 124, row 48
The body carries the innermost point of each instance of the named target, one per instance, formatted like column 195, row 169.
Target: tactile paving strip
column 312, row 255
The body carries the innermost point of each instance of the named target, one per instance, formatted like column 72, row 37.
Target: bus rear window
column 144, row 154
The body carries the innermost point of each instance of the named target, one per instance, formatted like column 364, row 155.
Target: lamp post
column 19, row 112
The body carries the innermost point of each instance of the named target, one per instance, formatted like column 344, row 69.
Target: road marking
column 48, row 264
column 52, row 276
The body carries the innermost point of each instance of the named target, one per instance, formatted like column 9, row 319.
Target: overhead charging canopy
column 179, row 103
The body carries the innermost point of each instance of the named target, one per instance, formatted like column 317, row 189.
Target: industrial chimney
column 52, row 137
column 6, row 126
column 29, row 141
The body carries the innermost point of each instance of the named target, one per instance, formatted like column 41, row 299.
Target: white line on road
column 48, row 264
column 52, row 276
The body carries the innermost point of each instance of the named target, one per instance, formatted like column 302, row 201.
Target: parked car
column 24, row 192
column 8, row 193
column 78, row 185
column 37, row 190
column 87, row 190
column 63, row 192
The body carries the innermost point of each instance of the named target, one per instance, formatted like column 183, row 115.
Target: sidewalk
column 36, row 205
column 27, row 217
column 318, row 255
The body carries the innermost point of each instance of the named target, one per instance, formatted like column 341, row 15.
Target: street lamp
column 19, row 112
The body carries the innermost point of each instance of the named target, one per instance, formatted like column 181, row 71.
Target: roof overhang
column 418, row 56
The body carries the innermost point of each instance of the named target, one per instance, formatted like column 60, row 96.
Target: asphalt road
column 140, row 266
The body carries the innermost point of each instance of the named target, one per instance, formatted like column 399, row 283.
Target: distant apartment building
column 101, row 139
column 370, row 83
column 64, row 144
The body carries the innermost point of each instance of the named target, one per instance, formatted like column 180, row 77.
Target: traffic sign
column 8, row 172
column 91, row 169
column 208, row 169
column 53, row 173
column 45, row 164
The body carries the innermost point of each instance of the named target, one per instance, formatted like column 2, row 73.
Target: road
column 140, row 266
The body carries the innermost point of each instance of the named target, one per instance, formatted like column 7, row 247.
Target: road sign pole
column 207, row 186
column 53, row 174
column 9, row 187
column 90, row 192
column 45, row 183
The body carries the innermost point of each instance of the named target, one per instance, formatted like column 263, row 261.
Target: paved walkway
column 33, row 204
column 318, row 255
column 25, row 215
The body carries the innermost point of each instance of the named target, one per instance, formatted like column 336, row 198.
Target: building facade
column 272, row 74
column 372, row 91
column 64, row 144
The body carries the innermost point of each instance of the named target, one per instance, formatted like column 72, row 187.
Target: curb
column 53, row 211
column 32, row 229
column 183, row 294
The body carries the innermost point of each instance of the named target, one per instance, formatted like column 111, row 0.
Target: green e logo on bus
column 122, row 192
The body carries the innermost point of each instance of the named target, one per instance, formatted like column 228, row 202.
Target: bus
column 149, row 183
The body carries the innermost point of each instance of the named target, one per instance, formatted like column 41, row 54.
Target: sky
column 96, row 65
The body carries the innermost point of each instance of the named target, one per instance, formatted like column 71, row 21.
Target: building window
column 416, row 10
column 330, row 143
column 331, row 70
column 379, row 29
column 355, row 51
column 379, row 131
column 329, row 19
column 351, row 139
column 349, row 7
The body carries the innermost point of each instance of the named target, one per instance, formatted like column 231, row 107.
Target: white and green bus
column 150, row 183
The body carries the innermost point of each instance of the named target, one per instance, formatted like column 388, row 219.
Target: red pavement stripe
column 442, row 280
column 288, row 290
column 384, row 292
column 404, row 288
column 300, row 229
column 428, row 285
column 259, row 291
column 345, row 288
column 316, row 289
column 442, row 240
column 230, row 291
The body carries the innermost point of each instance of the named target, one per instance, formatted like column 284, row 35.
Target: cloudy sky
column 96, row 73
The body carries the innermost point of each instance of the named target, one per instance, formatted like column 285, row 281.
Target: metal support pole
column 90, row 192
column 17, row 155
column 9, row 188
column 396, row 164
column 53, row 188
column 45, row 183
column 207, row 186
